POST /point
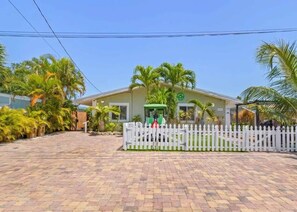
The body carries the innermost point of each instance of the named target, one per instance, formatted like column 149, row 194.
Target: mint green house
column 131, row 103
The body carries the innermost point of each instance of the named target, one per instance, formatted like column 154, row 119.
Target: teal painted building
column 14, row 102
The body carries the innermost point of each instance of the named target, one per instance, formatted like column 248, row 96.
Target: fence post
column 125, row 136
column 186, row 137
column 278, row 139
column 86, row 126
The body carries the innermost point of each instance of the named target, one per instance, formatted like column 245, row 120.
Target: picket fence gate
column 138, row 136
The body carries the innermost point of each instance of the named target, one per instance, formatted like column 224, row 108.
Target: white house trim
column 120, row 104
column 86, row 99
column 187, row 105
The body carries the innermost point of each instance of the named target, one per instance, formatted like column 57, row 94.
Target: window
column 124, row 111
column 186, row 112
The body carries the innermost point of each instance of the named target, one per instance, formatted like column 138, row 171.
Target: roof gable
column 127, row 89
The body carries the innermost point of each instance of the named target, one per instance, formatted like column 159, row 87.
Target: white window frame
column 187, row 105
column 120, row 104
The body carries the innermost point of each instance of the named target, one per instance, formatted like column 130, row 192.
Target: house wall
column 136, row 100
column 14, row 102
column 219, row 104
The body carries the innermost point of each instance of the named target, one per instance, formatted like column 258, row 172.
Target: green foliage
column 177, row 75
column 15, row 124
column 2, row 56
column 186, row 115
column 204, row 109
column 159, row 96
column 145, row 77
column 119, row 127
column 50, row 84
column 281, row 61
column 101, row 116
column 136, row 118
column 110, row 127
column 173, row 75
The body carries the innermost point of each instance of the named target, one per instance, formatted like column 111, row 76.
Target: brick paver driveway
column 75, row 171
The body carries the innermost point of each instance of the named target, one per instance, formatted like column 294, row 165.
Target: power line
column 131, row 35
column 34, row 28
column 64, row 46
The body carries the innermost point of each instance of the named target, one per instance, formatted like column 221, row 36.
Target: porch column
column 227, row 116
column 94, row 103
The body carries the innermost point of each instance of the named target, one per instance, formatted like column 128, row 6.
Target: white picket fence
column 209, row 138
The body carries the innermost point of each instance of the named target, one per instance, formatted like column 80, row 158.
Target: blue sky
column 222, row 64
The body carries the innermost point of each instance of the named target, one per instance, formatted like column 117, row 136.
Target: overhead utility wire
column 64, row 46
column 49, row 45
column 100, row 35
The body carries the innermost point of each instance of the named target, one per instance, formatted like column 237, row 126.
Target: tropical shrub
column 101, row 116
column 110, row 127
column 172, row 75
column 280, row 96
column 136, row 118
column 50, row 84
column 204, row 109
column 15, row 124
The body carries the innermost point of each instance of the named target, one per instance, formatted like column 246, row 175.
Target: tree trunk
column 101, row 126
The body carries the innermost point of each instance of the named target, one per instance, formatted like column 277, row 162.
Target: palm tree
column 204, row 109
column 15, row 124
column 281, row 61
column 43, row 87
column 5, row 79
column 102, row 114
column 177, row 75
column 146, row 77
column 5, row 73
column 159, row 96
column 71, row 79
column 2, row 56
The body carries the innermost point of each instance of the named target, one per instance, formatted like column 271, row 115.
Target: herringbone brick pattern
column 77, row 172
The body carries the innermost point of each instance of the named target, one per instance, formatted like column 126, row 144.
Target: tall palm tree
column 281, row 61
column 2, row 56
column 5, row 73
column 146, row 77
column 177, row 75
column 42, row 87
column 204, row 109
column 71, row 79
column 159, row 96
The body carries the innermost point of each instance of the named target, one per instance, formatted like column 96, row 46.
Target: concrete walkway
column 75, row 171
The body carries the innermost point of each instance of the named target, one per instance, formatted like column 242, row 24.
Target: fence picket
column 216, row 135
column 221, row 138
column 238, row 138
column 260, row 138
column 213, row 138
column 287, row 138
column 230, row 138
column 295, row 135
column 235, row 139
column 209, row 138
column 191, row 137
column 195, row 138
column 199, row 138
column 204, row 138
column 269, row 139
